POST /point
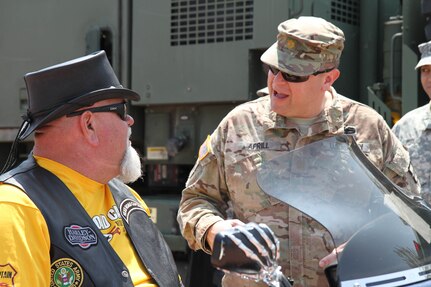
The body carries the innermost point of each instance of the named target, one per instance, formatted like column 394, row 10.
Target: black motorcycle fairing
column 387, row 230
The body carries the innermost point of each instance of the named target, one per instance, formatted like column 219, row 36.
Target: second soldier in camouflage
column 302, row 107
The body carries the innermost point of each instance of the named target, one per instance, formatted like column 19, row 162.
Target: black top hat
column 60, row 89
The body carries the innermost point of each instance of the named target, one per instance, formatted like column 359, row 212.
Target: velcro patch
column 205, row 148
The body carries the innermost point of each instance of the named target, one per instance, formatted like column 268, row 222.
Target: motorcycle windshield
column 331, row 180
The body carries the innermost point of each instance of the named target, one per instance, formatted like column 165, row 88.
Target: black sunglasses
column 119, row 108
column 293, row 78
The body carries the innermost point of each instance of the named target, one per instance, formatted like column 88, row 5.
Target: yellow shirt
column 24, row 236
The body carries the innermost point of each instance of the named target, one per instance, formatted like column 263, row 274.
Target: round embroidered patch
column 66, row 272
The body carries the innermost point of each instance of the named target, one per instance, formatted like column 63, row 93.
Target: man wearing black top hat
column 66, row 216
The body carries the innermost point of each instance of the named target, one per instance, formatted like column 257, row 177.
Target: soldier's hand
column 220, row 226
column 250, row 251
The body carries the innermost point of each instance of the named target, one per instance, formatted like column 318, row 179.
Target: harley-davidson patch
column 7, row 275
column 66, row 272
column 82, row 236
column 129, row 206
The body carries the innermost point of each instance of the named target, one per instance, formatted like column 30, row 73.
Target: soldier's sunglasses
column 293, row 78
column 119, row 108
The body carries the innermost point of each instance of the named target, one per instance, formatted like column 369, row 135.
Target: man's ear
column 330, row 78
column 88, row 125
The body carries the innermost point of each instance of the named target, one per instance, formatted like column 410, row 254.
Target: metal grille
column 345, row 11
column 210, row 21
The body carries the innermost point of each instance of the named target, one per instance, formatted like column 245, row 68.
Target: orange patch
column 290, row 44
column 205, row 148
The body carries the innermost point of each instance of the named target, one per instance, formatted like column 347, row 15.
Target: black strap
column 13, row 153
column 147, row 239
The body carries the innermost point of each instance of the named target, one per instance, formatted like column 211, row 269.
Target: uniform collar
column 331, row 119
column 427, row 118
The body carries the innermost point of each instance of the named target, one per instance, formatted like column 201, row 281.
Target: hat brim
column 272, row 57
column 423, row 62
column 79, row 102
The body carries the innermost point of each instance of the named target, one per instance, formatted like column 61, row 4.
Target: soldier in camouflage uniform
column 414, row 128
column 302, row 107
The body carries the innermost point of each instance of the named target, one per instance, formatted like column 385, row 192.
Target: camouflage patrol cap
column 425, row 49
column 305, row 45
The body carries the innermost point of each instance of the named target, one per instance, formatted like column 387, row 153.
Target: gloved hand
column 250, row 251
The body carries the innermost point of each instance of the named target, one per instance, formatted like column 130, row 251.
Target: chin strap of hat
column 13, row 153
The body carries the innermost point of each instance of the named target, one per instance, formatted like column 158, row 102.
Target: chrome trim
column 401, row 278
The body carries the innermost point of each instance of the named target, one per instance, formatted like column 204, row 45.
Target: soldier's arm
column 397, row 164
column 204, row 199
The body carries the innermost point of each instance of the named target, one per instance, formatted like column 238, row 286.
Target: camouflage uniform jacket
column 414, row 131
column 224, row 178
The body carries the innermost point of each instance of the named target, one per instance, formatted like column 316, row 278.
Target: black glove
column 250, row 251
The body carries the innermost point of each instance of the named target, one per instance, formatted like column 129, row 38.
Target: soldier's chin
column 130, row 169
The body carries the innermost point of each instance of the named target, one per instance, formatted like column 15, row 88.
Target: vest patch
column 127, row 207
column 82, row 236
column 66, row 272
column 7, row 275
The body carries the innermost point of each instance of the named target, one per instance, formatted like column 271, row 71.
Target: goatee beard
column 130, row 169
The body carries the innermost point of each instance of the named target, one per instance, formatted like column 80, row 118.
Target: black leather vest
column 78, row 245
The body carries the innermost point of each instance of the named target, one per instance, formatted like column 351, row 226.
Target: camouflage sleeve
column 400, row 130
column 203, row 201
column 397, row 165
column 396, row 129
